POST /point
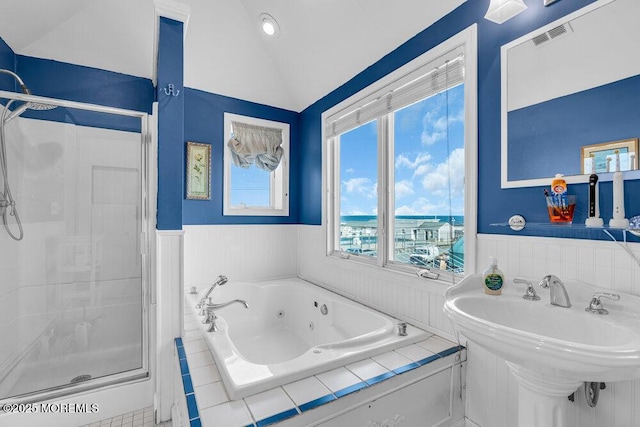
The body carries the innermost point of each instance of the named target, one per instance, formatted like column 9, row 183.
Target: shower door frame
column 148, row 144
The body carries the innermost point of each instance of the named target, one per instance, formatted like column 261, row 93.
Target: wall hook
column 170, row 90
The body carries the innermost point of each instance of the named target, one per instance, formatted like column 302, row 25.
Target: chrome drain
column 80, row 378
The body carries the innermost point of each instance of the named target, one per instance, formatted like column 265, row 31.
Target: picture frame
column 198, row 171
column 597, row 155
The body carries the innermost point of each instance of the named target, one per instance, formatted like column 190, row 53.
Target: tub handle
column 402, row 329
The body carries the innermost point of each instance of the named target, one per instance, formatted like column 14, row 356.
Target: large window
column 401, row 165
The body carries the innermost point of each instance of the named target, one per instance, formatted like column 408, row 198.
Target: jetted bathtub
column 284, row 336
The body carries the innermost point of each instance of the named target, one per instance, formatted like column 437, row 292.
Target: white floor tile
column 230, row 414
column 269, row 403
column 306, row 390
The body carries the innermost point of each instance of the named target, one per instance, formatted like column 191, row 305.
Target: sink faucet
column 221, row 280
column 210, row 316
column 557, row 292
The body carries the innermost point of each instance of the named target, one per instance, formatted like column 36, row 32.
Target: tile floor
column 140, row 418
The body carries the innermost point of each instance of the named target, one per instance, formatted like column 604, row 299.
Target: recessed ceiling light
column 269, row 25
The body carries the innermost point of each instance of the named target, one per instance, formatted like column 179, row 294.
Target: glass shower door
column 74, row 307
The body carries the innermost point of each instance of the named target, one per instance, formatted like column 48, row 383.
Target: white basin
column 558, row 341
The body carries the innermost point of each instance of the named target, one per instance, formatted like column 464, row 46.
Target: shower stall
column 74, row 293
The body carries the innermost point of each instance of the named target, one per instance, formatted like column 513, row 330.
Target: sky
column 428, row 159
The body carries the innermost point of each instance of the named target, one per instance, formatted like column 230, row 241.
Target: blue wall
column 558, row 128
column 204, row 123
column 170, row 125
column 7, row 62
column 494, row 204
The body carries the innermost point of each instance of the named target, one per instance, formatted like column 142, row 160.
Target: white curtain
column 257, row 145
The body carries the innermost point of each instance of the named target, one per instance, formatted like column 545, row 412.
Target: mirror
column 571, row 97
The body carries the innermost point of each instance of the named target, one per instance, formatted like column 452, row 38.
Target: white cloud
column 434, row 124
column 403, row 188
column 357, row 185
column 404, row 161
column 422, row 170
column 450, row 172
column 350, row 170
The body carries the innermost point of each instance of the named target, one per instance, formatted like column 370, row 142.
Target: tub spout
column 221, row 280
column 225, row 304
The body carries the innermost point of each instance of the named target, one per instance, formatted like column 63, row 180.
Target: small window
column 256, row 166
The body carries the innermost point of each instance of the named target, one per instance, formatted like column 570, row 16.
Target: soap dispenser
column 493, row 278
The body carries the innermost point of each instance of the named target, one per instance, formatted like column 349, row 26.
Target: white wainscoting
column 167, row 305
column 492, row 393
column 405, row 296
column 240, row 252
column 251, row 252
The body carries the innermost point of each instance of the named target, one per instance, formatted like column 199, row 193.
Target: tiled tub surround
column 428, row 372
column 292, row 329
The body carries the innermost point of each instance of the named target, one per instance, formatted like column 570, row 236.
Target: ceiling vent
column 552, row 34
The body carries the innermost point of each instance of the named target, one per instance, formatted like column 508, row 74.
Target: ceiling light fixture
column 502, row 10
column 269, row 25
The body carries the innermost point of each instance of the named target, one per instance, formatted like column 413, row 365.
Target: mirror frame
column 534, row 182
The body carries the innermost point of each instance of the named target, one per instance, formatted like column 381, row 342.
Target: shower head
column 27, row 105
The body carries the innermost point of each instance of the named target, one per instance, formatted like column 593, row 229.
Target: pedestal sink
column 550, row 350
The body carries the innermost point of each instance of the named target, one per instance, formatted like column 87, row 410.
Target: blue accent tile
column 350, row 389
column 406, row 368
column 195, row 422
column 428, row 359
column 192, row 406
column 179, row 342
column 181, row 353
column 381, row 377
column 277, row 417
column 449, row 351
column 187, row 384
column 317, row 402
column 184, row 367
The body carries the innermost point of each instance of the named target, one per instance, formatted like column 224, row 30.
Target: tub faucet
column 557, row 292
column 221, row 280
column 210, row 315
column 214, row 306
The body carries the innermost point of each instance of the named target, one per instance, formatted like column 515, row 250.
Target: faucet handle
column 595, row 306
column 531, row 292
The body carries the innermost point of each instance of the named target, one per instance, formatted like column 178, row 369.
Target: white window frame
column 279, row 178
column 331, row 158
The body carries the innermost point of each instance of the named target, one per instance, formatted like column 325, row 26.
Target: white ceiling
column 322, row 44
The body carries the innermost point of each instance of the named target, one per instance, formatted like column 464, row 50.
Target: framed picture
column 198, row 171
column 602, row 157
